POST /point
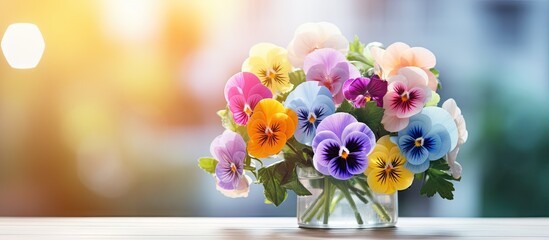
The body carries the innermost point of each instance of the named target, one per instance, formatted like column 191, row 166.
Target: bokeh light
column 23, row 45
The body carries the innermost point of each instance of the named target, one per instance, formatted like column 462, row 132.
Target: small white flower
column 451, row 106
column 241, row 191
column 455, row 167
column 312, row 36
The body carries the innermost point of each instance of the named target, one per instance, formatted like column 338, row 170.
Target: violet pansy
column 341, row 146
column 331, row 69
column 229, row 149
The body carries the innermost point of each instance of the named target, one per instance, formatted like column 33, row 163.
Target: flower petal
column 438, row 142
column 326, row 57
column 370, row 140
column 336, row 123
column 392, row 123
column 418, row 57
column 417, row 168
column 339, row 170
column 323, row 135
column 326, row 151
column 236, row 105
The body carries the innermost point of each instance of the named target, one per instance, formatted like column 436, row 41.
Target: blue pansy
column 312, row 103
column 429, row 136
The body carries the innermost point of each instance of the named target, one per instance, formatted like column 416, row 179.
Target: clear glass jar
column 350, row 203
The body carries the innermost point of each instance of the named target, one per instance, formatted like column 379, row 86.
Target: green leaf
column 435, row 72
column 345, row 107
column 297, row 77
column 356, row 45
column 354, row 56
column 438, row 180
column 228, row 123
column 435, row 98
column 291, row 182
column 371, row 115
column 273, row 190
column 227, row 119
column 208, row 164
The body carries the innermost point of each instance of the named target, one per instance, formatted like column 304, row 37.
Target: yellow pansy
column 386, row 172
column 269, row 127
column 270, row 63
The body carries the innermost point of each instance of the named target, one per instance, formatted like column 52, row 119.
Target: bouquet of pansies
column 358, row 114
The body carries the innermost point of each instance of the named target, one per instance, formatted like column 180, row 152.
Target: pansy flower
column 341, row 145
column 406, row 95
column 312, row 103
column 312, row 36
column 386, row 172
column 269, row 128
column 230, row 150
column 270, row 63
column 450, row 105
column 242, row 92
column 429, row 136
column 362, row 90
column 241, row 190
column 331, row 69
column 399, row 55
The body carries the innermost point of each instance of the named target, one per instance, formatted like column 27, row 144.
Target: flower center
column 405, row 96
column 388, row 168
column 269, row 132
column 271, row 74
column 233, row 168
column 312, row 117
column 367, row 98
column 247, row 110
column 419, row 142
column 344, row 152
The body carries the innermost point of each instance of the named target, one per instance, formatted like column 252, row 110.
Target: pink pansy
column 399, row 55
column 243, row 91
column 406, row 95
column 331, row 69
column 312, row 36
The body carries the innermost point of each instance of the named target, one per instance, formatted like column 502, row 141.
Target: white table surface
column 264, row 228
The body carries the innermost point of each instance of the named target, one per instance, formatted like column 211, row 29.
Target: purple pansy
column 341, row 146
column 330, row 68
column 362, row 90
column 230, row 150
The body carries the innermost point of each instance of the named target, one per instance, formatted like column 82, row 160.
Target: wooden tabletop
column 264, row 228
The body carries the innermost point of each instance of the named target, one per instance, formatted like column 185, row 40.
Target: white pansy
column 455, row 167
column 451, row 106
column 312, row 36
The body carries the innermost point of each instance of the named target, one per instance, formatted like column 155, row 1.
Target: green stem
column 344, row 189
column 296, row 152
column 335, row 202
column 358, row 193
column 328, row 191
column 380, row 210
column 311, row 211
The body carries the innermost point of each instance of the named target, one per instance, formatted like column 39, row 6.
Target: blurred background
column 123, row 102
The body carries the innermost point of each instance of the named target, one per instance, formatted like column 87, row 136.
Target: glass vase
column 343, row 203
